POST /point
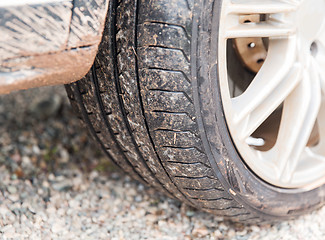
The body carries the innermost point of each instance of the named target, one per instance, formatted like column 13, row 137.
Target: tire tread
column 137, row 102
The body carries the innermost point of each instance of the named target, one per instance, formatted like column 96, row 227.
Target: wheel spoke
column 320, row 64
column 299, row 116
column 320, row 58
column 321, row 37
column 262, row 7
column 321, row 116
column 256, row 18
column 320, row 149
column 269, row 29
column 273, row 83
column 321, row 70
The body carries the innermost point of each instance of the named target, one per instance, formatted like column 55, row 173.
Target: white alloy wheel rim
column 293, row 74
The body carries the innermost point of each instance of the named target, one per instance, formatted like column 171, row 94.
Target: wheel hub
column 287, row 87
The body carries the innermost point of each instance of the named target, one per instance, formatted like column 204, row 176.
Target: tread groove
column 171, row 112
column 170, row 48
column 121, row 103
column 184, row 148
column 170, row 91
column 191, row 163
column 205, row 190
column 196, row 178
column 83, row 111
column 213, row 199
column 169, row 70
column 102, row 111
column 170, row 24
column 221, row 209
column 141, row 100
column 175, row 131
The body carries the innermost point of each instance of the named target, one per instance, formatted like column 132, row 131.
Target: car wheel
column 216, row 103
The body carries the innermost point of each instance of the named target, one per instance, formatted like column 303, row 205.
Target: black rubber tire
column 152, row 101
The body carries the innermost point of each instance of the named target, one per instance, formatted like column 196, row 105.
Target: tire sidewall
column 237, row 178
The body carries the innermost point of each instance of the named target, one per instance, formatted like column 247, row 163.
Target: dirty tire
column 152, row 101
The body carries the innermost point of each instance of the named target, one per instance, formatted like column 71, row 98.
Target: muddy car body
column 48, row 42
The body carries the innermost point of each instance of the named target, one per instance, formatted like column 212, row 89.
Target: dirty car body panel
column 48, row 42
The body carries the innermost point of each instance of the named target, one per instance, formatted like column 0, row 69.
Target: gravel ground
column 56, row 184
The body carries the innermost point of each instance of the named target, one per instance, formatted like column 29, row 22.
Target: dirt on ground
column 55, row 183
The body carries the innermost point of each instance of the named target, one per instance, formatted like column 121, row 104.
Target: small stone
column 93, row 175
column 32, row 210
column 16, row 158
column 40, row 191
column 115, row 176
column 140, row 188
column 19, row 173
column 222, row 227
column 60, row 178
column 190, row 213
column 138, row 198
column 51, row 210
column 74, row 204
column 26, row 160
column 12, row 189
column 13, row 176
column 62, row 186
column 27, row 166
column 56, row 228
column 200, row 232
column 255, row 228
column 13, row 197
column 3, row 210
column 36, row 150
column 9, row 231
column 46, row 184
column 51, row 177
column 77, row 182
column 231, row 233
column 64, row 156
column 217, row 234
